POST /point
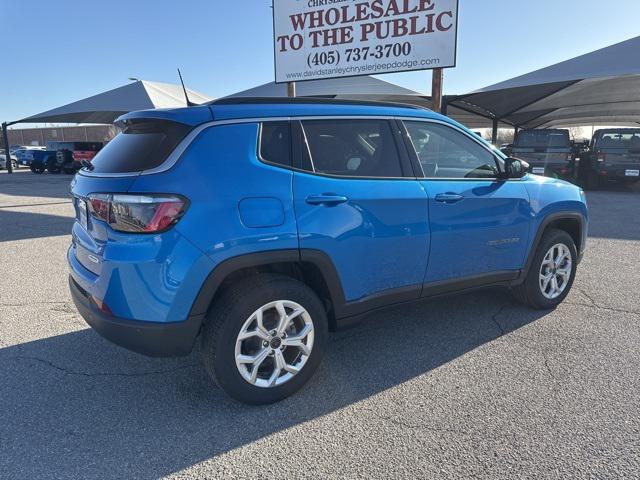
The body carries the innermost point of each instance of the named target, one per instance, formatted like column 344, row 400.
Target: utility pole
column 436, row 90
column 291, row 89
column 5, row 138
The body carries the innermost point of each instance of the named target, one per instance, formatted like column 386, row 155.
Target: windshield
column 543, row 139
column 629, row 140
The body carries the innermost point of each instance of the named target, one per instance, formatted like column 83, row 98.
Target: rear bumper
column 619, row 172
column 562, row 170
column 148, row 338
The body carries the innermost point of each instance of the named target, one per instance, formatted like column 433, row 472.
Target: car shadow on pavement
column 74, row 405
column 19, row 224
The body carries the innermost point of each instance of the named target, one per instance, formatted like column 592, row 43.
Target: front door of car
column 479, row 222
column 358, row 202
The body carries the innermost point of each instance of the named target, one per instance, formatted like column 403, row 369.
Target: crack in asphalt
column 494, row 318
column 593, row 304
column 66, row 371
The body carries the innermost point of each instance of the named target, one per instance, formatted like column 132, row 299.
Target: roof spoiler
column 190, row 116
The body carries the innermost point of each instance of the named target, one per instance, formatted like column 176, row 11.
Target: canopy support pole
column 5, row 138
column 494, row 131
column 291, row 89
column 445, row 105
column 436, row 90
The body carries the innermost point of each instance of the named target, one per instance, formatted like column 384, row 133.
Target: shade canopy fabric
column 106, row 107
column 601, row 87
column 364, row 88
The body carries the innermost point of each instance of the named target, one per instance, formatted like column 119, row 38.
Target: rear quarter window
column 141, row 146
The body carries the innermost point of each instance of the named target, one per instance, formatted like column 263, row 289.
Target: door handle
column 449, row 197
column 328, row 199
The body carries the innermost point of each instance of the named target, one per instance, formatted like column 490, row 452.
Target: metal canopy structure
column 601, row 87
column 107, row 106
column 364, row 88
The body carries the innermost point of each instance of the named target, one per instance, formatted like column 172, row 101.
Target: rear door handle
column 326, row 199
column 449, row 197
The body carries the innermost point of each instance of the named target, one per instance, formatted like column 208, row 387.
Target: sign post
column 317, row 40
column 291, row 89
column 436, row 90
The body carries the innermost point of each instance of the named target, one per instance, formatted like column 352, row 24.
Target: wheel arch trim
column 231, row 265
column 548, row 220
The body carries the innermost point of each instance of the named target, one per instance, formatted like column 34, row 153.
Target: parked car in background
column 23, row 154
column 3, row 160
column 614, row 156
column 260, row 225
column 64, row 157
column 548, row 151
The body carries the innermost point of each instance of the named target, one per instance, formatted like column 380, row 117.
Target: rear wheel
column 264, row 338
column 550, row 276
column 69, row 168
column 52, row 166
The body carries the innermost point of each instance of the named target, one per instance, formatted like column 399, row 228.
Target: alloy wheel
column 274, row 343
column 555, row 271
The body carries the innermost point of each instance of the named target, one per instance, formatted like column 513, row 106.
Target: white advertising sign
column 316, row 39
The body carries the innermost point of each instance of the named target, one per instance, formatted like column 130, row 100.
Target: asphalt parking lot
column 472, row 386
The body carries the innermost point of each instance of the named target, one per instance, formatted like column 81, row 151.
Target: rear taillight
column 601, row 157
column 137, row 213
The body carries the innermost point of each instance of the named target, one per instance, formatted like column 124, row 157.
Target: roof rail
column 307, row 101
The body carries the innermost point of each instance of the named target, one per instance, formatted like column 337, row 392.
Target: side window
column 275, row 143
column 446, row 153
column 353, row 148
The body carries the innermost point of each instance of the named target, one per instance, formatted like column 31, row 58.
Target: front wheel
column 551, row 274
column 264, row 338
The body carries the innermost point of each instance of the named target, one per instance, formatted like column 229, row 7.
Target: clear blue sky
column 224, row 46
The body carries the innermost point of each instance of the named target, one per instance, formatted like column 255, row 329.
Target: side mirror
column 515, row 168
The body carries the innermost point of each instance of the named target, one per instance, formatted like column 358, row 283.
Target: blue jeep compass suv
column 258, row 225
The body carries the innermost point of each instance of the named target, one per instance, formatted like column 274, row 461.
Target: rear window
column 621, row 140
column 542, row 139
column 141, row 146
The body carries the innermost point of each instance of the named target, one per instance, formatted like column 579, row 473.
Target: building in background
column 40, row 136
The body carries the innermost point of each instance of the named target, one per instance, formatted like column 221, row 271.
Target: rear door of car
column 358, row 202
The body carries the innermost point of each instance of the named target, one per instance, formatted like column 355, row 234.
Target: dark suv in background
column 548, row 151
column 614, row 156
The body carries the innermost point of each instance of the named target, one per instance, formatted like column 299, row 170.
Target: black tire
column 225, row 320
column 530, row 292
column 15, row 164
column 52, row 166
column 69, row 168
